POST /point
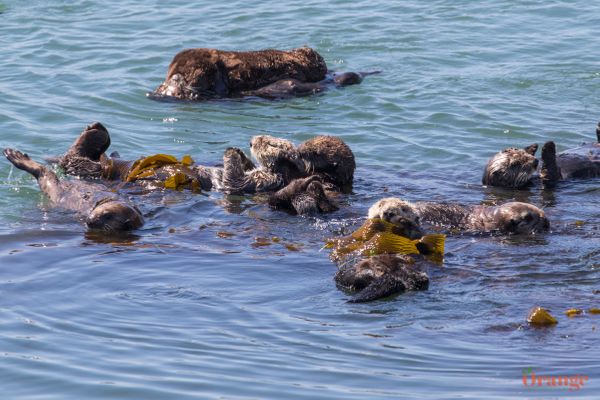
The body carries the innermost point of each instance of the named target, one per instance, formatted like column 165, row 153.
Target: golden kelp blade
column 384, row 242
column 363, row 234
column 339, row 252
column 434, row 243
column 144, row 167
column 372, row 227
column 388, row 243
column 187, row 160
column 176, row 181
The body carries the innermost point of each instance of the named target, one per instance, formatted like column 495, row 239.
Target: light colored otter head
column 398, row 212
column 114, row 216
column 511, row 168
column 174, row 86
column 521, row 218
column 269, row 151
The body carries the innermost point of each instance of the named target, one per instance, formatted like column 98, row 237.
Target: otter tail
column 367, row 73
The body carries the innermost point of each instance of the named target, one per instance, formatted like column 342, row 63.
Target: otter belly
column 581, row 162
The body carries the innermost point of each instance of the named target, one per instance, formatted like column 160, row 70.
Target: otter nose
column 535, row 163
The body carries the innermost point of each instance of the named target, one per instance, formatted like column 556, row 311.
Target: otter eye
column 528, row 218
column 404, row 209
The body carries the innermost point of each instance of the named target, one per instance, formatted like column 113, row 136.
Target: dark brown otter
column 330, row 158
column 579, row 163
column 303, row 196
column 511, row 168
column 200, row 74
column 512, row 217
column 197, row 74
column 382, row 276
column 86, row 157
column 286, row 88
column 103, row 209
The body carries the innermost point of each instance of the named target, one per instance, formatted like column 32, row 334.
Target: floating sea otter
column 304, row 196
column 382, row 276
column 280, row 162
column 103, row 209
column 200, row 74
column 512, row 217
column 385, row 257
column 515, row 168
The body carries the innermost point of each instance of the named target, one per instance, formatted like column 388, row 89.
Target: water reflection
column 113, row 238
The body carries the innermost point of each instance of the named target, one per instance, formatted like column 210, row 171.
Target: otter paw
column 18, row 159
column 549, row 152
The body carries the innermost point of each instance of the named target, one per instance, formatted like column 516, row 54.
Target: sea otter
column 512, row 217
column 381, row 276
column 304, row 196
column 86, row 158
column 200, row 74
column 287, row 88
column 514, row 168
column 279, row 163
column 511, row 168
column 103, row 209
column 578, row 163
column 326, row 156
column 330, row 158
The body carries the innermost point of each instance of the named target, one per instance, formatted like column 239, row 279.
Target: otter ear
column 531, row 149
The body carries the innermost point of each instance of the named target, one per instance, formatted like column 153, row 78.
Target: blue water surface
column 195, row 305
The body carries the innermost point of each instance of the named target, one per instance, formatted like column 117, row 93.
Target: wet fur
column 400, row 213
column 512, row 217
column 381, row 276
column 103, row 209
column 197, row 74
column 304, row 196
column 236, row 179
column 330, row 158
column 512, row 167
column 578, row 163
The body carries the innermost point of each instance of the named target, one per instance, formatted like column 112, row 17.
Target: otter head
column 400, row 213
column 347, row 78
column 522, row 218
column 511, row 168
column 114, row 216
column 276, row 154
column 330, row 157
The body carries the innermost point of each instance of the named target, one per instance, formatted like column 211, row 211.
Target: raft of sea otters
column 387, row 255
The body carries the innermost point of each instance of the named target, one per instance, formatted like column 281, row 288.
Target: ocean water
column 195, row 305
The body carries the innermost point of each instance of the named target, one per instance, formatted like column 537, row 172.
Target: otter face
column 114, row 216
column 511, row 168
column 398, row 212
column 174, row 86
column 268, row 150
column 347, row 78
column 522, row 218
